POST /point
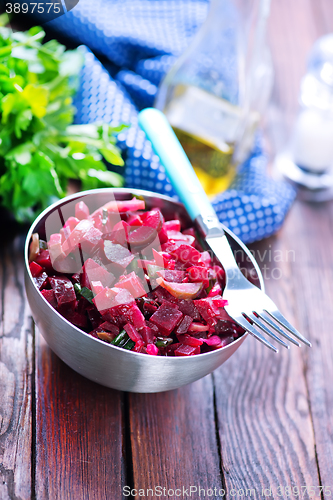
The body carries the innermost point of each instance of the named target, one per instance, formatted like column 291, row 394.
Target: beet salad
column 128, row 277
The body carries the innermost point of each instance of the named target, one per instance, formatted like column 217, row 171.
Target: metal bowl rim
column 138, row 192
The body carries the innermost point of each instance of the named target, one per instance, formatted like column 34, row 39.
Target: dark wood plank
column 15, row 377
column 173, row 440
column 79, row 434
column 265, row 422
column 310, row 232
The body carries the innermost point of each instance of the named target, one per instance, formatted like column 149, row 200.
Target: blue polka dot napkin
column 139, row 40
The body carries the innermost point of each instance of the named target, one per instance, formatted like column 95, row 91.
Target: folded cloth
column 141, row 39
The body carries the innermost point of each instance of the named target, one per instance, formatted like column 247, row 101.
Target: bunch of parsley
column 40, row 149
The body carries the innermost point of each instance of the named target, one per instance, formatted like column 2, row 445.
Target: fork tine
column 266, row 318
column 247, row 326
column 259, row 323
column 284, row 322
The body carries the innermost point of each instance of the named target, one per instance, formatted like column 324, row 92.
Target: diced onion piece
column 34, row 247
column 181, row 290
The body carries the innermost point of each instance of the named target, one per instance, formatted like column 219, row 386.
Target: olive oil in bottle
column 208, row 128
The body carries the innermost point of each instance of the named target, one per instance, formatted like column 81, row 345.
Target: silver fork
column 250, row 307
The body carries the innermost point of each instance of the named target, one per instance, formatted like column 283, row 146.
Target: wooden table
column 261, row 421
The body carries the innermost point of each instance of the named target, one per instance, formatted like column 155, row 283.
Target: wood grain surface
column 260, row 424
column 79, row 432
column 15, row 377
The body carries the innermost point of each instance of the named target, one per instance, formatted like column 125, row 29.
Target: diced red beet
column 76, row 318
column 69, row 225
column 186, row 254
column 189, row 340
column 105, row 299
column 76, row 236
column 227, row 328
column 166, row 318
column 35, row 269
column 153, row 219
column 132, row 332
column 116, row 207
column 161, row 258
column 208, row 310
column 141, row 237
column 188, row 308
column 152, row 349
column 90, row 239
column 125, row 313
column 91, row 271
column 94, row 316
column 216, row 290
column 163, row 236
column 152, row 327
column 134, row 220
column 219, row 302
column 109, row 327
column 184, row 325
column 135, row 316
column 198, row 273
column 123, row 296
column 147, row 335
column 50, row 297
column 99, row 222
column 142, row 263
column 139, row 346
column 43, row 259
column 185, row 350
column 81, row 210
column 41, row 280
column 172, row 225
column 117, row 254
column 76, row 278
column 132, row 283
column 96, row 287
column 214, row 340
column 226, row 341
column 125, row 205
column 223, row 315
column 220, row 274
column 120, row 233
column 174, row 276
column 179, row 237
column 205, row 258
column 63, row 289
column 55, row 247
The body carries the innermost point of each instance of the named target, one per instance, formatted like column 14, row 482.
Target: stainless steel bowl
column 109, row 365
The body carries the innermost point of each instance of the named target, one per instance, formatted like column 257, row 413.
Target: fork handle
column 178, row 167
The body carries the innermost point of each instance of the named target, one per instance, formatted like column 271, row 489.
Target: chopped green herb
column 129, row 345
column 163, row 341
column 87, row 294
column 83, row 292
column 121, row 339
column 40, row 148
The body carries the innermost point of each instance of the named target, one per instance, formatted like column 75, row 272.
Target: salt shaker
column 307, row 161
